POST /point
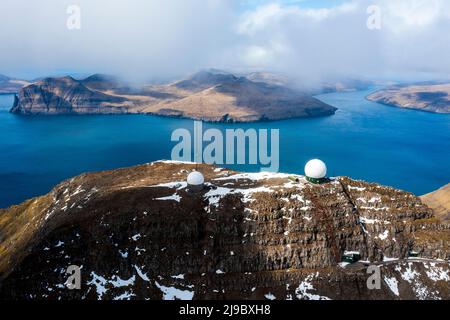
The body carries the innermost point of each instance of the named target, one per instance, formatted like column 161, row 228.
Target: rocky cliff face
column 207, row 95
column 140, row 233
column 64, row 96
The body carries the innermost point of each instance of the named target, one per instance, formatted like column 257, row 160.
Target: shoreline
column 206, row 120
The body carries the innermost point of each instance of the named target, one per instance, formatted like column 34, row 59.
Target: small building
column 195, row 181
column 351, row 256
column 316, row 171
column 413, row 254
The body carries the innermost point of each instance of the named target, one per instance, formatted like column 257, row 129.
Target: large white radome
column 316, row 169
column 195, row 178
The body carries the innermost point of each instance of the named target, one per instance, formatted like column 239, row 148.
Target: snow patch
column 388, row 259
column 270, row 296
column 356, row 188
column 172, row 293
column 437, row 273
column 384, row 235
column 173, row 197
column 174, row 162
column 172, row 185
column 392, row 283
column 255, row 176
column 125, row 296
column 141, row 274
column 136, row 237
column 302, row 291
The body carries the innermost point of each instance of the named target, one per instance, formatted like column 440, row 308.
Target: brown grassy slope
column 209, row 96
column 239, row 100
column 432, row 98
column 439, row 201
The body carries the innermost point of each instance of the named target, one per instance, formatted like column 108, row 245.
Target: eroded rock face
column 208, row 95
column 139, row 233
column 65, row 96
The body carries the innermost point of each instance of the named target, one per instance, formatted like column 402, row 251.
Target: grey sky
column 161, row 39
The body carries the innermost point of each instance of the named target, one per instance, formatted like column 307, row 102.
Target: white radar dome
column 195, row 179
column 316, row 169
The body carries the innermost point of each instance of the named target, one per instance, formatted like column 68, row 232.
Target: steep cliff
column 140, row 233
column 207, row 95
column 63, row 96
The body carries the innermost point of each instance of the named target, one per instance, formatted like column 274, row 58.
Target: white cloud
column 310, row 43
column 162, row 38
column 273, row 13
column 413, row 14
column 134, row 37
column 328, row 42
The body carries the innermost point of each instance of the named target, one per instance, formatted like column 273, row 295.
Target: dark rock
column 138, row 233
column 65, row 96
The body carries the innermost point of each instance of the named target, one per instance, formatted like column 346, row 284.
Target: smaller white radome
column 316, row 169
column 195, row 179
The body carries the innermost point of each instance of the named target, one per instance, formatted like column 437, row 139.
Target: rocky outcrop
column 65, row 96
column 140, row 233
column 208, row 95
column 430, row 97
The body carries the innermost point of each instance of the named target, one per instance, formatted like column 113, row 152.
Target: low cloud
column 316, row 44
column 137, row 38
column 161, row 39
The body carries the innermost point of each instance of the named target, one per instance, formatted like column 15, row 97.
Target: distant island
column 211, row 95
column 9, row 85
column 424, row 97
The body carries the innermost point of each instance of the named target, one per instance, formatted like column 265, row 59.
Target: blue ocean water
column 406, row 149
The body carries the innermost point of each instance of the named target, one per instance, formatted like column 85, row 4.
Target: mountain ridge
column 214, row 96
column 139, row 233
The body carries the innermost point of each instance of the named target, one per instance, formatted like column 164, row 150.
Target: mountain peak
column 210, row 95
column 205, row 79
column 100, row 77
column 64, row 95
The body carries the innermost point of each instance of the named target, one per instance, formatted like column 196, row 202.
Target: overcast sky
column 310, row 40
